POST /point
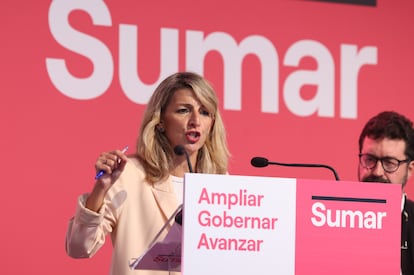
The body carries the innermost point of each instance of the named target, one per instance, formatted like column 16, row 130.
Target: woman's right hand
column 112, row 163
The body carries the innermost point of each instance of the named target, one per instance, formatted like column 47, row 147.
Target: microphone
column 179, row 150
column 263, row 162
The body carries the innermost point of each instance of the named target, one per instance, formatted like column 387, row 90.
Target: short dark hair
column 392, row 125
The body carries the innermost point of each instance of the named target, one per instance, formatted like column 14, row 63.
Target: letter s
column 96, row 51
column 322, row 219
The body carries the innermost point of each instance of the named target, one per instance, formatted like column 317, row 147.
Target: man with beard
column 386, row 154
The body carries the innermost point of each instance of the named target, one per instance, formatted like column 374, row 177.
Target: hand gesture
column 109, row 167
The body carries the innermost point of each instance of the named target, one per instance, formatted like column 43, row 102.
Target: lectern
column 265, row 225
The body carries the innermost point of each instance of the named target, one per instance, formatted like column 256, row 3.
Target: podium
column 266, row 225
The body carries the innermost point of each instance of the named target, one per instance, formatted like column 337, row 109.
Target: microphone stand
column 263, row 162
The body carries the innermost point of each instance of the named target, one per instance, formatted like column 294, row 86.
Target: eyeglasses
column 389, row 164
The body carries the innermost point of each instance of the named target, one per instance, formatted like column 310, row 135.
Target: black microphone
column 263, row 162
column 179, row 150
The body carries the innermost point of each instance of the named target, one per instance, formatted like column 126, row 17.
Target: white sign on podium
column 238, row 225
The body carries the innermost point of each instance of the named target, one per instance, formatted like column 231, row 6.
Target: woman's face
column 186, row 121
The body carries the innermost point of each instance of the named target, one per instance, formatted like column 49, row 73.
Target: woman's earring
column 160, row 129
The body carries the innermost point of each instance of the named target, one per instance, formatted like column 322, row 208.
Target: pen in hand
column 102, row 172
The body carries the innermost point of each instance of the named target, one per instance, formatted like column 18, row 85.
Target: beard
column 373, row 178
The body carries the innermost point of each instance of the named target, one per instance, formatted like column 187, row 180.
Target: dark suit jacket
column 407, row 238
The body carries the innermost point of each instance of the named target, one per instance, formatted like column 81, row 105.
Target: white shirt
column 178, row 184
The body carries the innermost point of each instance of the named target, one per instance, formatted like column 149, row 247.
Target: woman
column 137, row 194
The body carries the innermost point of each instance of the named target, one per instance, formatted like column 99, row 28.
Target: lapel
column 164, row 195
column 404, row 225
column 407, row 242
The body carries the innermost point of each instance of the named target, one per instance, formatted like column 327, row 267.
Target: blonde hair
column 153, row 148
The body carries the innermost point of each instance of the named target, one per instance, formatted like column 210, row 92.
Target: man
column 386, row 154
